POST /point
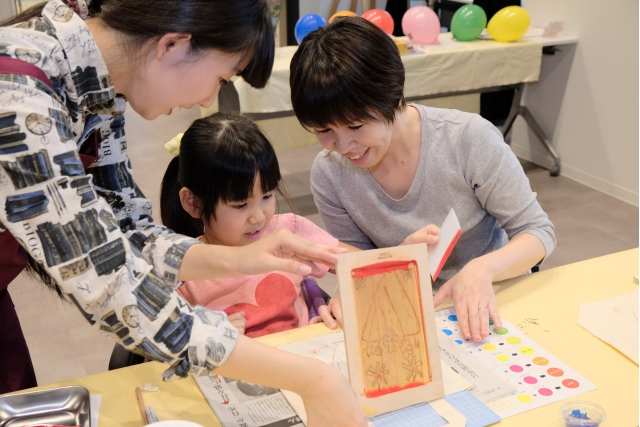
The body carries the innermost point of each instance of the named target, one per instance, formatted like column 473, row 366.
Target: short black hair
column 349, row 71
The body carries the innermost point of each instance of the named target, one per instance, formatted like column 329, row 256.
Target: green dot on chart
column 491, row 322
column 501, row 331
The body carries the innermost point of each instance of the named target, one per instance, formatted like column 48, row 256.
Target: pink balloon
column 381, row 18
column 421, row 25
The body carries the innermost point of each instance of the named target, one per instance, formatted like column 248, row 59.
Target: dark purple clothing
column 16, row 369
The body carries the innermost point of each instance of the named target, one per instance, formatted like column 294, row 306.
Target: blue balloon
column 308, row 23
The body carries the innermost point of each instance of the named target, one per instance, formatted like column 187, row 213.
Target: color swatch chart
column 539, row 377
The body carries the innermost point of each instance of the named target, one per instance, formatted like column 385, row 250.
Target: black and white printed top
column 93, row 233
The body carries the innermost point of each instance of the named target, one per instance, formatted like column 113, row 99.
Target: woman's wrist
column 482, row 268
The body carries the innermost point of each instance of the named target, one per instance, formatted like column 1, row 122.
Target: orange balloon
column 341, row 13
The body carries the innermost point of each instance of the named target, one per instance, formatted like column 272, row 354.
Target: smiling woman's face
column 364, row 144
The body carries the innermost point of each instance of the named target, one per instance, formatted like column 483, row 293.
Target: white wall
column 587, row 96
column 7, row 9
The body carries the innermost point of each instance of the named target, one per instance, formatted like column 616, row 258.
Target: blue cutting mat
column 477, row 413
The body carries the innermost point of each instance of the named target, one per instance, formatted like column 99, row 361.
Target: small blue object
column 447, row 332
column 306, row 24
column 453, row 318
column 577, row 414
column 459, row 342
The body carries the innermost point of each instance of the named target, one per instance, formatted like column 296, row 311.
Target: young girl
column 389, row 167
column 222, row 188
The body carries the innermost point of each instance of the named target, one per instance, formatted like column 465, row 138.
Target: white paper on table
column 539, row 377
column 487, row 385
column 614, row 321
column 94, row 403
column 330, row 349
column 450, row 232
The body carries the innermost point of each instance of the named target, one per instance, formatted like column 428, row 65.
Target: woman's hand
column 239, row 321
column 428, row 235
column 280, row 251
column 329, row 314
column 474, row 300
column 284, row 251
column 331, row 402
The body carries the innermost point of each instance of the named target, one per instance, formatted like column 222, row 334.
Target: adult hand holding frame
column 389, row 327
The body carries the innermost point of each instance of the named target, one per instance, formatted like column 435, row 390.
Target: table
column 552, row 297
column 447, row 69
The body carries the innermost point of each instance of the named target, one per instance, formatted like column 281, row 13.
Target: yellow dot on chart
column 489, row 347
column 527, row 351
column 514, row 340
column 524, row 398
column 502, row 358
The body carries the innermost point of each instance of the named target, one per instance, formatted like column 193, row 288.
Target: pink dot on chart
column 530, row 380
column 545, row 392
column 515, row 368
column 570, row 383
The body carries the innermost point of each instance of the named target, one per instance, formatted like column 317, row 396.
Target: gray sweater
column 464, row 164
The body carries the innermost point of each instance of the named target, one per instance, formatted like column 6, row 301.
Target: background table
column 544, row 305
column 450, row 68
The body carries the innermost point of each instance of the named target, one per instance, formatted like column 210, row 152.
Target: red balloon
column 381, row 19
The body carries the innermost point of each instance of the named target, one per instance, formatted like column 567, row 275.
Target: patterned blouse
column 93, row 231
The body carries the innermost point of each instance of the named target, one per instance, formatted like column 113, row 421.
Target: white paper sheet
column 450, row 232
column 614, row 321
column 95, row 400
column 539, row 377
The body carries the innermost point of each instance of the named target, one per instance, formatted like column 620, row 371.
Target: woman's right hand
column 428, row 234
column 331, row 402
column 284, row 251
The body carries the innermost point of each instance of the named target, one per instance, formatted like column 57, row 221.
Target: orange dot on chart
column 555, row 372
column 489, row 347
column 514, row 340
column 540, row 361
column 502, row 358
column 568, row 383
column 524, row 398
column 527, row 351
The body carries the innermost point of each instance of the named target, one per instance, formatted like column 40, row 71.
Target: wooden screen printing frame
column 380, row 269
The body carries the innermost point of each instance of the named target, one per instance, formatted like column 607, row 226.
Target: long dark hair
column 231, row 26
column 220, row 157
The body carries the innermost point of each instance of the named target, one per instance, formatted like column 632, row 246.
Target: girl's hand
column 473, row 299
column 284, row 251
column 329, row 314
column 331, row 402
column 239, row 321
column 428, row 235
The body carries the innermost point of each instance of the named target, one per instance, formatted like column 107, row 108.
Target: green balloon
column 468, row 22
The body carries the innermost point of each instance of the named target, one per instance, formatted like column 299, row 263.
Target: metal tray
column 64, row 405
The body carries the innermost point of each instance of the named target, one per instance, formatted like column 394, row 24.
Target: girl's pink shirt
column 272, row 302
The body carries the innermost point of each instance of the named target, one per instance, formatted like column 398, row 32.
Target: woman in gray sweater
column 389, row 168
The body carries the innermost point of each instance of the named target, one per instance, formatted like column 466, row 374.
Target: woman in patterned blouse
column 69, row 203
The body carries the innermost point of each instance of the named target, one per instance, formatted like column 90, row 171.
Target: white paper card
column 450, row 232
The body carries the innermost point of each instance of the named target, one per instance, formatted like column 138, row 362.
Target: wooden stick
column 142, row 406
column 334, row 8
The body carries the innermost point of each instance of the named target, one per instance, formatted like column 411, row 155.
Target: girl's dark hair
column 231, row 26
column 349, row 71
column 220, row 157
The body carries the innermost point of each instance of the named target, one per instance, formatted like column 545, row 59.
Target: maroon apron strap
column 16, row 369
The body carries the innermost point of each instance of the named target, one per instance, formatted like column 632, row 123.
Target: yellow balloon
column 509, row 24
column 342, row 13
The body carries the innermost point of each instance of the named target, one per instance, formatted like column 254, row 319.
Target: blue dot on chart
column 459, row 342
column 447, row 331
column 453, row 317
